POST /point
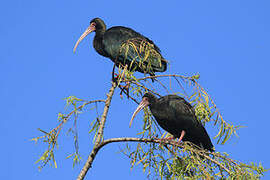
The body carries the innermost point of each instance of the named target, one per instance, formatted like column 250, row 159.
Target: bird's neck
column 155, row 110
column 98, row 43
column 100, row 32
column 154, row 105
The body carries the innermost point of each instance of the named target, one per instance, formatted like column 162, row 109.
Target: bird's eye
column 93, row 24
column 145, row 99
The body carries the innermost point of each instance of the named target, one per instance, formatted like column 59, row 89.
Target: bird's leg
column 180, row 139
column 181, row 136
column 114, row 79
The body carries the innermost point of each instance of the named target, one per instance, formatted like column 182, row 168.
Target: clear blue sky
column 227, row 42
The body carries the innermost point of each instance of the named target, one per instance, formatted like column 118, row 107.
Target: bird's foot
column 165, row 140
column 169, row 141
column 116, row 77
column 179, row 141
column 119, row 78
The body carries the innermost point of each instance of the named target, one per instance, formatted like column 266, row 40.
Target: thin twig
column 183, row 89
column 58, row 128
column 163, row 86
column 145, row 88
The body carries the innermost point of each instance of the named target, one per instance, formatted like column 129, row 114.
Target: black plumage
column 125, row 46
column 175, row 115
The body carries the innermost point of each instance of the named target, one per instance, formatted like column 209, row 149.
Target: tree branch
column 81, row 106
column 96, row 147
column 131, row 139
column 146, row 140
column 156, row 76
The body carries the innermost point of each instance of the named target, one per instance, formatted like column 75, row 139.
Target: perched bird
column 175, row 115
column 125, row 47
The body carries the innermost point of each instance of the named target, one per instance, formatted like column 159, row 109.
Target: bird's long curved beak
column 90, row 29
column 142, row 104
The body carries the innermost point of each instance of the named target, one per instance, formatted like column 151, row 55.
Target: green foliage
column 76, row 158
column 166, row 159
column 94, row 128
column 51, row 138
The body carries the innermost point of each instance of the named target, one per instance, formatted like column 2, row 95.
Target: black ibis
column 124, row 46
column 175, row 115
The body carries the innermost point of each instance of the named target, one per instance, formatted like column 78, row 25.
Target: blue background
column 227, row 42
